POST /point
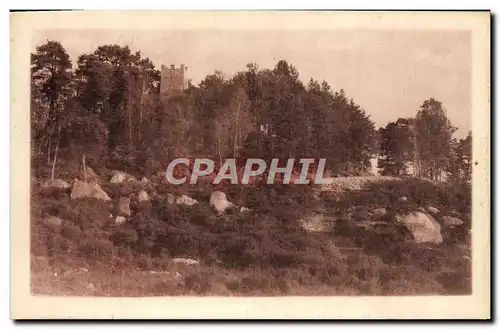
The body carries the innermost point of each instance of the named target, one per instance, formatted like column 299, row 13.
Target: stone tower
column 173, row 79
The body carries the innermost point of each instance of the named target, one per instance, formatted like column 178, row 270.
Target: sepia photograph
column 251, row 154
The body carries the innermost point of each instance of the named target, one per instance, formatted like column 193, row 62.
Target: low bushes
column 265, row 251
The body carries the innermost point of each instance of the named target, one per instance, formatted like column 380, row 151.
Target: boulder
column 144, row 180
column 186, row 261
column 120, row 220
column 403, row 199
column 53, row 221
column 170, row 198
column 423, row 227
column 219, row 201
column 143, row 196
column 120, row 177
column 124, row 206
column 56, row 183
column 452, row 221
column 88, row 190
column 185, row 200
column 379, row 212
column 244, row 209
column 433, row 211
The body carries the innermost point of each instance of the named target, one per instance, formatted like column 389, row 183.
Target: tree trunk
column 54, row 162
column 129, row 112
column 140, row 108
column 84, row 169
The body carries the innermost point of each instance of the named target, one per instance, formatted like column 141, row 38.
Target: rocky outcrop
column 88, row 190
column 423, row 227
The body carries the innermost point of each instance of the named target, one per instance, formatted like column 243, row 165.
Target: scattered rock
column 56, row 183
column 124, row 206
column 170, row 198
column 433, row 211
column 144, row 180
column 120, row 220
column 421, row 209
column 90, row 286
column 143, row 196
column 379, row 212
column 88, row 190
column 120, row 177
column 53, row 221
column 452, row 221
column 185, row 200
column 403, row 199
column 186, row 261
column 423, row 227
column 219, row 201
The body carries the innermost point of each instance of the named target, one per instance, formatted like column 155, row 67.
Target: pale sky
column 388, row 73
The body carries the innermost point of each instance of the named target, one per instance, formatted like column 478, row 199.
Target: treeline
column 111, row 106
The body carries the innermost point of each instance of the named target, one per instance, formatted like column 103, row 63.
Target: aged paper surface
column 29, row 28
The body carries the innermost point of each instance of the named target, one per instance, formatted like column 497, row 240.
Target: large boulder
column 423, row 227
column 56, row 183
column 120, row 177
column 124, row 206
column 185, row 200
column 219, row 201
column 88, row 190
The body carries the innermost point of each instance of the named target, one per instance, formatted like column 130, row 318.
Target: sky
column 388, row 73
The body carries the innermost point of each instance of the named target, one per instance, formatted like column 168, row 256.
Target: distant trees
column 396, row 148
column 426, row 144
column 111, row 102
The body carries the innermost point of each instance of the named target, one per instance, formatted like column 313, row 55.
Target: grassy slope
column 265, row 252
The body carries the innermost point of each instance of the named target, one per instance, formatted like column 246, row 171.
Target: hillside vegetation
column 266, row 251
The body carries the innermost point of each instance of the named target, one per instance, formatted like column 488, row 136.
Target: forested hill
column 111, row 104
